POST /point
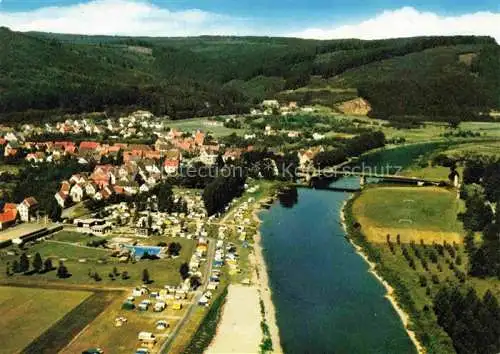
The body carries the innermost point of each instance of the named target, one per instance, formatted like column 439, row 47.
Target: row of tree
column 473, row 323
column 481, row 189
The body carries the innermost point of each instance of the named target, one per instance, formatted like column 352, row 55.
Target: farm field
column 427, row 213
column 70, row 248
column 434, row 130
column 429, row 172
column 490, row 148
column 27, row 313
column 205, row 125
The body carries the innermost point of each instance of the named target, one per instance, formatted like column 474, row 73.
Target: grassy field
column 490, row 148
column 28, row 313
column 429, row 172
column 427, row 213
column 81, row 260
column 434, row 130
column 204, row 125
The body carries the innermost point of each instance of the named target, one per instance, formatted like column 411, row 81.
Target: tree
column 184, row 270
column 219, row 162
column 62, row 271
column 473, row 171
column 477, row 215
column 37, row 262
column 223, row 189
column 174, row 248
column 54, row 211
column 24, row 263
column 491, row 181
column 165, row 197
column 47, row 265
column 16, row 268
column 469, row 242
column 145, row 277
column 195, row 282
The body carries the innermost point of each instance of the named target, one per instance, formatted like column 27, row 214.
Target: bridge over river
column 343, row 170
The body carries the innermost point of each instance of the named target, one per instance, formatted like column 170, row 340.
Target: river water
column 325, row 298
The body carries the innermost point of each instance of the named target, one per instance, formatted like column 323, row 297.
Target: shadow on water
column 288, row 197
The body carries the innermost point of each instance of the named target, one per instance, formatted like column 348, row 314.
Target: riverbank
column 239, row 328
column 249, row 310
column 405, row 318
column 264, row 287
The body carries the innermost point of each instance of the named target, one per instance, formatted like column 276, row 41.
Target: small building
column 147, row 337
column 61, row 198
column 27, row 208
column 177, row 306
column 9, row 215
column 159, row 306
column 77, row 192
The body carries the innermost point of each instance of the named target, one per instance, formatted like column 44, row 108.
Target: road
column 194, row 302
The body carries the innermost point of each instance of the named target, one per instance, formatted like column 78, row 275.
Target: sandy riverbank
column 405, row 318
column 239, row 330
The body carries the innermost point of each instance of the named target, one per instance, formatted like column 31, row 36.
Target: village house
column 199, row 138
column 103, row 175
column 268, row 130
column 232, row 154
column 8, row 216
column 61, row 198
column 105, row 193
column 270, row 104
column 306, row 157
column 27, row 208
column 77, row 193
column 12, row 148
column 171, row 166
column 86, row 146
column 318, row 136
column 207, row 158
column 91, row 189
column 36, row 157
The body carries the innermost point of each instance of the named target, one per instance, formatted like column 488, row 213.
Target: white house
column 270, row 104
column 61, row 198
column 91, row 189
column 318, row 136
column 77, row 192
column 171, row 166
column 207, row 158
column 26, row 208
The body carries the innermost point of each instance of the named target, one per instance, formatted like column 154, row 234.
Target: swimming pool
column 138, row 251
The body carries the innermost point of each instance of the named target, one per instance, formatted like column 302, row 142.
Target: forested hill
column 439, row 77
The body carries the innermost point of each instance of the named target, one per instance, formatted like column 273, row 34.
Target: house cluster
column 203, row 149
column 270, row 107
column 24, row 211
column 306, row 156
column 168, row 296
column 137, row 124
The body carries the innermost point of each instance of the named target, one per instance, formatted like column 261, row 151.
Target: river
column 325, row 298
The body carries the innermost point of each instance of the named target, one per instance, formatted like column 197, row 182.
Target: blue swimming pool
column 138, row 251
